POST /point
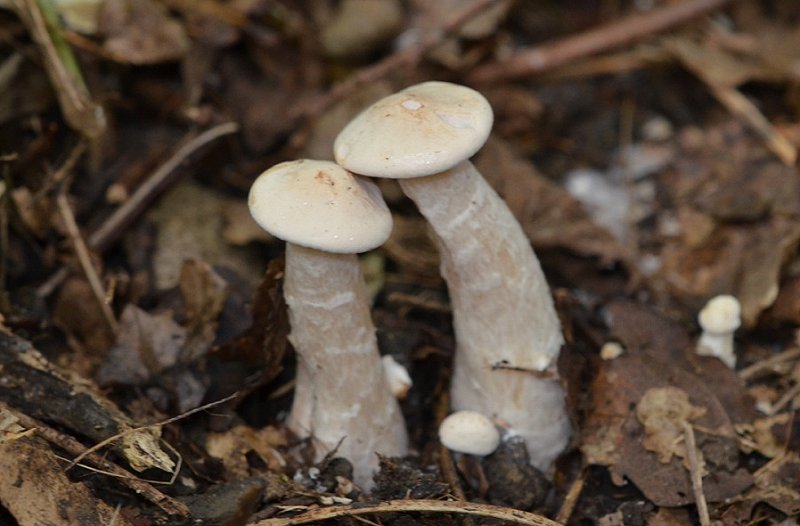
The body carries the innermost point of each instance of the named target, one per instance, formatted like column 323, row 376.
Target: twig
column 767, row 365
column 784, row 400
column 85, row 259
column 743, row 108
column 446, row 464
column 571, row 498
column 149, row 190
column 162, row 423
column 123, row 216
column 72, row 446
column 696, row 474
column 424, row 506
column 628, row 30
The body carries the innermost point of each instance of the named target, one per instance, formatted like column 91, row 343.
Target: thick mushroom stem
column 340, row 395
column 505, row 323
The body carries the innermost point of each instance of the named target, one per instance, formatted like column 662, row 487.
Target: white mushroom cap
column 469, row 432
column 722, row 314
column 424, row 129
column 320, row 205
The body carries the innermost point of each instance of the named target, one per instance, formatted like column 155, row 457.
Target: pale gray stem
column 339, row 371
column 505, row 324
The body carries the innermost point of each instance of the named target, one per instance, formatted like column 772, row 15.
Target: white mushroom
column 506, row 326
column 327, row 215
column 719, row 319
column 469, row 432
column 396, row 376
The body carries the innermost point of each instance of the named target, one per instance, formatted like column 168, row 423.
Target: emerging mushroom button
column 424, row 129
column 318, row 204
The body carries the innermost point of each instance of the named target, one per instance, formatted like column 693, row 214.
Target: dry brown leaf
column 190, row 222
column 660, row 355
column 346, row 36
column 78, row 314
column 240, row 227
column 146, row 344
column 548, row 214
column 739, row 213
column 204, row 293
column 142, row 32
column 233, row 446
column 35, row 489
column 663, row 411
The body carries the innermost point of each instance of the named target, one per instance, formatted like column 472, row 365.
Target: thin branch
column 693, row 455
column 123, row 216
column 422, row 506
column 768, row 365
column 572, row 496
column 149, row 190
column 446, row 464
column 626, row 31
column 749, row 113
column 162, row 423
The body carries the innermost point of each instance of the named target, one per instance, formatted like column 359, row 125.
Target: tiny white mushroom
column 469, row 432
column 719, row 319
column 611, row 350
column 327, row 215
column 505, row 323
column 397, row 376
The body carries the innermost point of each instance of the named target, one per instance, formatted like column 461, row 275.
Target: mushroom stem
column 340, row 391
column 505, row 323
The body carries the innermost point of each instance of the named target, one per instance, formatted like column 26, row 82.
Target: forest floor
column 647, row 148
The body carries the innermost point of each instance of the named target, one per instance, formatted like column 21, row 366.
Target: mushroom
column 469, row 432
column 507, row 332
column 327, row 215
column 396, row 376
column 719, row 319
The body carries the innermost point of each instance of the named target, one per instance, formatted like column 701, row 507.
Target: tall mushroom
column 326, row 215
column 507, row 332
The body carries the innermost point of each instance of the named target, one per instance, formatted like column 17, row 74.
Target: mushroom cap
column 722, row 314
column 423, row 130
column 320, row 205
column 469, row 432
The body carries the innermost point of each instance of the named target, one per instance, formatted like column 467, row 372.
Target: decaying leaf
column 146, row 344
column 663, row 411
column 738, row 211
column 35, row 489
column 760, row 437
column 78, row 314
column 346, row 36
column 204, row 293
column 240, row 227
column 548, row 214
column 660, row 358
column 182, row 235
column 142, row 32
column 233, row 446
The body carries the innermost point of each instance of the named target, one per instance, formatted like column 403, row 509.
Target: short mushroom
column 327, row 215
column 469, row 432
column 396, row 376
column 506, row 327
column 719, row 319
